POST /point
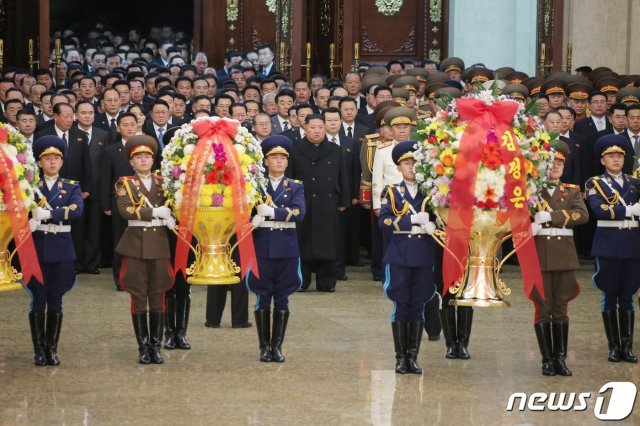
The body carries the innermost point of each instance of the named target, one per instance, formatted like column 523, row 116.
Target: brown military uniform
column 146, row 270
column 367, row 154
column 557, row 253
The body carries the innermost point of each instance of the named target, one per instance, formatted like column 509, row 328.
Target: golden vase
column 481, row 284
column 9, row 277
column 213, row 227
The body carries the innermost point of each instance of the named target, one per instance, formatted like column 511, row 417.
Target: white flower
column 419, row 177
column 188, row 149
column 240, row 148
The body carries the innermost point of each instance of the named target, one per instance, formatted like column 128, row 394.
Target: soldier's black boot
column 170, row 322
column 52, row 335
column 263, row 325
column 543, row 334
column 280, row 319
column 399, row 329
column 183, row 306
column 414, row 337
column 141, row 328
column 463, row 330
column 610, row 320
column 626, row 335
column 36, row 323
column 155, row 336
column 560, row 332
column 448, row 321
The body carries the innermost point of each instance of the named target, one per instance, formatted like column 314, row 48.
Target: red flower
column 534, row 148
column 219, row 166
column 211, row 177
column 432, row 140
column 491, row 155
column 546, row 146
column 226, row 178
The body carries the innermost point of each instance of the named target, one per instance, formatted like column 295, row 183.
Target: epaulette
column 384, row 144
column 424, row 103
column 127, row 178
column 373, row 136
column 69, row 181
column 295, row 181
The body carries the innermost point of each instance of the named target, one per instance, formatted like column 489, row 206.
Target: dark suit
column 631, row 159
column 359, row 131
column 115, row 164
column 87, row 232
column 276, row 128
column 271, row 72
column 293, row 134
column 574, row 168
column 322, row 170
column 104, row 123
column 349, row 220
column 148, row 129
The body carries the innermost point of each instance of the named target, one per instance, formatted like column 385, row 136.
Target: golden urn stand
column 213, row 227
column 10, row 279
column 481, row 284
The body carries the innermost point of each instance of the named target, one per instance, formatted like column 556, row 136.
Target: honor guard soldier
column 276, row 244
column 613, row 198
column 408, row 258
column 562, row 208
column 146, row 270
column 59, row 202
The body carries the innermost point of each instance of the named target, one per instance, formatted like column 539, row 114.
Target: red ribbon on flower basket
column 18, row 216
column 210, row 133
column 482, row 119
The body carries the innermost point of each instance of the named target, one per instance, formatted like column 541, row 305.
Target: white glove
column 257, row 221
column 429, row 228
column 33, row 224
column 170, row 223
column 265, row 211
column 421, row 218
column 633, row 210
column 41, row 214
column 543, row 217
column 535, row 228
column 162, row 212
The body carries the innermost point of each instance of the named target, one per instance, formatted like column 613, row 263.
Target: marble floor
column 339, row 368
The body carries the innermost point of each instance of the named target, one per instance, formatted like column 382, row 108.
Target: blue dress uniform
column 276, row 245
column 56, row 255
column 408, row 262
column 616, row 247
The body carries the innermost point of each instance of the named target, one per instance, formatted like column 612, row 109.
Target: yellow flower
column 545, row 136
column 245, row 160
column 447, row 157
column 444, row 189
column 441, row 134
column 216, row 188
column 228, row 190
column 185, row 160
column 227, row 202
column 206, row 190
column 433, row 126
column 205, row 201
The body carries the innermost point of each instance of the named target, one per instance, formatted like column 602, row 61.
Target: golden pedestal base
column 9, row 277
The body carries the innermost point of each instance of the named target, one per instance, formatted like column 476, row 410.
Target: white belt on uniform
column 277, row 224
column 556, row 232
column 621, row 224
column 53, row 228
column 415, row 230
column 146, row 223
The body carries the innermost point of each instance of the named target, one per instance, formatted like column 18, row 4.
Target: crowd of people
column 111, row 88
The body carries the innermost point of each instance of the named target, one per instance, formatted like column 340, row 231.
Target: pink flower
column 176, row 172
column 29, row 175
column 22, row 158
column 216, row 200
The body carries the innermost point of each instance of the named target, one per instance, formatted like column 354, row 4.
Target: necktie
column 349, row 132
column 334, row 140
column 65, row 140
column 39, row 115
column 113, row 126
column 160, row 132
column 286, row 125
column 635, row 142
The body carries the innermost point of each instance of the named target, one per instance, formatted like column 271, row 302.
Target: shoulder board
column 424, row 103
column 372, row 136
column 159, row 177
column 570, row 185
column 69, row 181
column 384, row 144
column 127, row 177
column 295, row 181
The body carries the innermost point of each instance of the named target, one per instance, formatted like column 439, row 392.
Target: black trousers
column 119, row 225
column 325, row 274
column 348, row 240
column 217, row 299
column 86, row 232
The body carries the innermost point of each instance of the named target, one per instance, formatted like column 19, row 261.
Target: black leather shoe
column 463, row 330
column 242, row 325
column 52, row 335
column 377, row 277
column 280, row 319
column 414, row 336
column 36, row 324
column 399, row 330
column 448, row 321
column 183, row 307
column 560, row 333
column 343, row 278
column 95, row 271
column 327, row 290
column 170, row 322
column 626, row 336
column 263, row 325
column 156, row 325
column 610, row 320
column 211, row 325
column 543, row 334
column 141, row 329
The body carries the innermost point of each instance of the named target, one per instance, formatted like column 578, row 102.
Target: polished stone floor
column 339, row 368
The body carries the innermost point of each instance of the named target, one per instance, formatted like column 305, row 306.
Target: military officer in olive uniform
column 51, row 227
column 276, row 244
column 146, row 270
column 408, row 258
column 562, row 208
column 613, row 198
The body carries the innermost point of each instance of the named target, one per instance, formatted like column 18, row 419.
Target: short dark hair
column 187, row 79
column 236, row 105
column 331, row 110
column 223, row 96
column 124, row 115
column 58, row 106
column 567, row 108
column 619, row 106
column 595, row 93
column 286, row 92
column 304, row 105
column 553, row 111
column 159, row 102
column 310, row 117
column 82, row 102
column 347, row 99
column 631, row 108
column 390, row 63
column 380, row 88
column 25, row 111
